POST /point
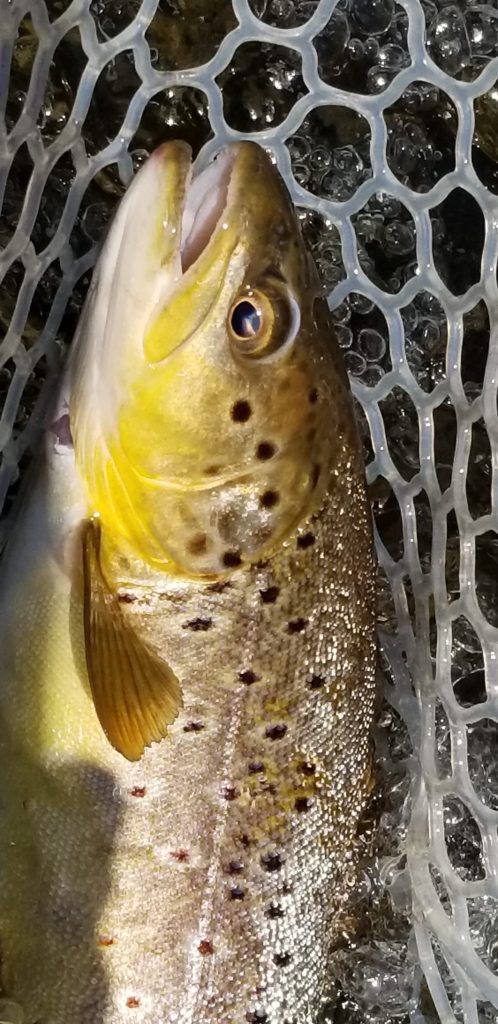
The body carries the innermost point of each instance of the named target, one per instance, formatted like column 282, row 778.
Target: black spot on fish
column 296, row 625
column 276, row 732
column 274, row 911
column 212, row 470
column 265, row 450
column 218, row 588
column 307, row 768
column 313, row 396
column 237, row 893
column 269, row 499
column 125, row 597
column 230, row 793
column 302, row 803
column 241, row 411
column 282, row 959
column 235, row 867
column 194, row 726
column 271, row 861
column 231, row 559
column 269, row 596
column 257, row 1017
column 255, row 767
column 306, row 541
column 316, row 682
column 248, row 677
column 198, row 625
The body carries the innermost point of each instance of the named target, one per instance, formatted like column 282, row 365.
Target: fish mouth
column 206, row 200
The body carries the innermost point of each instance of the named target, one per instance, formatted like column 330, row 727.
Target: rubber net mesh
column 382, row 117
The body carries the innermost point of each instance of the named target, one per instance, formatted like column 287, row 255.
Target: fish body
column 210, row 512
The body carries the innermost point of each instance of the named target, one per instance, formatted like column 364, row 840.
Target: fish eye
column 245, row 319
column 260, row 322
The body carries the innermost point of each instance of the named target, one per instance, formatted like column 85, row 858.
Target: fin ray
column 136, row 694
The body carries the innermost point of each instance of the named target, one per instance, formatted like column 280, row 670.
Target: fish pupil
column 246, row 319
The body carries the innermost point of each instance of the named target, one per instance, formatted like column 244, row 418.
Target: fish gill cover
column 383, row 119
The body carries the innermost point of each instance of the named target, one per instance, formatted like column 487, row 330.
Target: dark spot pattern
column 269, row 499
column 218, row 588
column 195, row 725
column 307, row 768
column 302, row 803
column 276, row 732
column 265, row 450
column 282, row 959
column 241, row 411
column 269, row 596
column 313, row 396
column 237, row 893
column 271, row 861
column 212, row 470
column 296, row 625
column 316, row 682
column 275, row 911
column 198, row 625
column 248, row 677
column 235, row 867
column 230, row 793
column 256, row 1017
column 306, row 541
column 232, row 559
column 255, row 767
column 125, row 597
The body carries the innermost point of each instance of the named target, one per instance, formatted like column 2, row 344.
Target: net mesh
column 382, row 117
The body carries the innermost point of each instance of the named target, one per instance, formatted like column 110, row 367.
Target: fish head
column 208, row 399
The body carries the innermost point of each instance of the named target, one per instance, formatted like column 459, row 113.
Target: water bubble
column 344, row 336
column 371, row 345
column 448, row 41
column 399, row 239
column 373, row 17
column 355, row 363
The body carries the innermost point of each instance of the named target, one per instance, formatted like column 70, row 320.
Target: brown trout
column 187, row 629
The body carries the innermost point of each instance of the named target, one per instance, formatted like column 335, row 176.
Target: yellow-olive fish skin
column 198, row 567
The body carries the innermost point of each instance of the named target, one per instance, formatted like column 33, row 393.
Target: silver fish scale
column 423, row 694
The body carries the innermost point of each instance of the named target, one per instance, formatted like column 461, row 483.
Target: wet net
column 383, row 119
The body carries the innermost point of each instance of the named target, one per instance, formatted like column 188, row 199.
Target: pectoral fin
column 136, row 694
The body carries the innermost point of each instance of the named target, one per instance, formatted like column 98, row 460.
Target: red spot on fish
column 139, row 791
column 206, row 947
column 132, row 1002
column 180, row 855
column 105, row 940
